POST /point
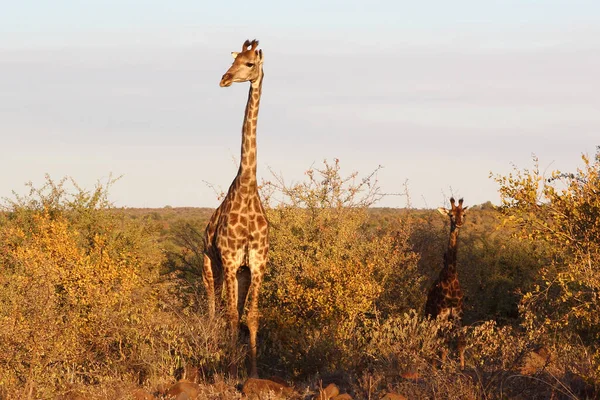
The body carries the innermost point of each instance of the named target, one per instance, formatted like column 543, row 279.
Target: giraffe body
column 445, row 297
column 236, row 239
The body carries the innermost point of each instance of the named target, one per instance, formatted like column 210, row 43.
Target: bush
column 105, row 298
column 328, row 278
column 81, row 299
column 561, row 214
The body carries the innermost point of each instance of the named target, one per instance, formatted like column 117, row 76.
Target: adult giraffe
column 445, row 298
column 236, row 240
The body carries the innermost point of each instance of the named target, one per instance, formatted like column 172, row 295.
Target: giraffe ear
column 234, row 54
column 465, row 208
column 445, row 212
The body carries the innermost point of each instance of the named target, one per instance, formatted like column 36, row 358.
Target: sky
column 440, row 94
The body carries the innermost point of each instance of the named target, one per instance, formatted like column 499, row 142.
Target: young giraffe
column 445, row 298
column 236, row 241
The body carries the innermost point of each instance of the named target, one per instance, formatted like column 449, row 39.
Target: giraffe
column 445, row 298
column 236, row 237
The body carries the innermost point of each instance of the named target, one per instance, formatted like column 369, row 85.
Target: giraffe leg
column 243, row 281
column 209, row 284
column 458, row 336
column 253, row 315
column 218, row 279
column 461, row 345
column 243, row 285
column 444, row 353
column 232, row 314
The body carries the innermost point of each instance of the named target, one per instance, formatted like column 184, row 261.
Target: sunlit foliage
column 327, row 275
column 560, row 212
column 81, row 299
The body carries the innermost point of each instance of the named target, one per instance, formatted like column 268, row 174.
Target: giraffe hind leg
column 243, row 278
column 209, row 284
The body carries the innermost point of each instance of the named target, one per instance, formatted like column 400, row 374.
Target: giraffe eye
column 249, row 65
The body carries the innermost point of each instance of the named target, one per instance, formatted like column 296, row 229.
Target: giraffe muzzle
column 226, row 80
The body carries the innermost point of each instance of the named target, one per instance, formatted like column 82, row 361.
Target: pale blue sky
column 439, row 93
column 102, row 15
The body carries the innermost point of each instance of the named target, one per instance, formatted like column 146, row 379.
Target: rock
column 279, row 380
column 256, row 388
column 141, row 394
column 191, row 373
column 72, row 395
column 344, row 396
column 414, row 376
column 536, row 360
column 393, row 396
column 329, row 392
column 181, row 389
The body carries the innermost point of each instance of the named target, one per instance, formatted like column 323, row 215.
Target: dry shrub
column 82, row 301
column 328, row 277
column 407, row 343
column 496, row 347
column 403, row 354
column 404, row 357
column 561, row 213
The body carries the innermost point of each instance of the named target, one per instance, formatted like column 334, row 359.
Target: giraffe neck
column 247, row 171
column 450, row 256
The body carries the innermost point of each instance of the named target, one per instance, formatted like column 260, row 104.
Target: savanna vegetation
column 96, row 301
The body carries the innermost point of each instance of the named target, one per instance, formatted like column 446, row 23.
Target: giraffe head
column 247, row 65
column 456, row 213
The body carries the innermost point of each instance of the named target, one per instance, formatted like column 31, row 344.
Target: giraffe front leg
column 461, row 346
column 232, row 315
column 256, row 272
column 209, row 284
column 444, row 352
